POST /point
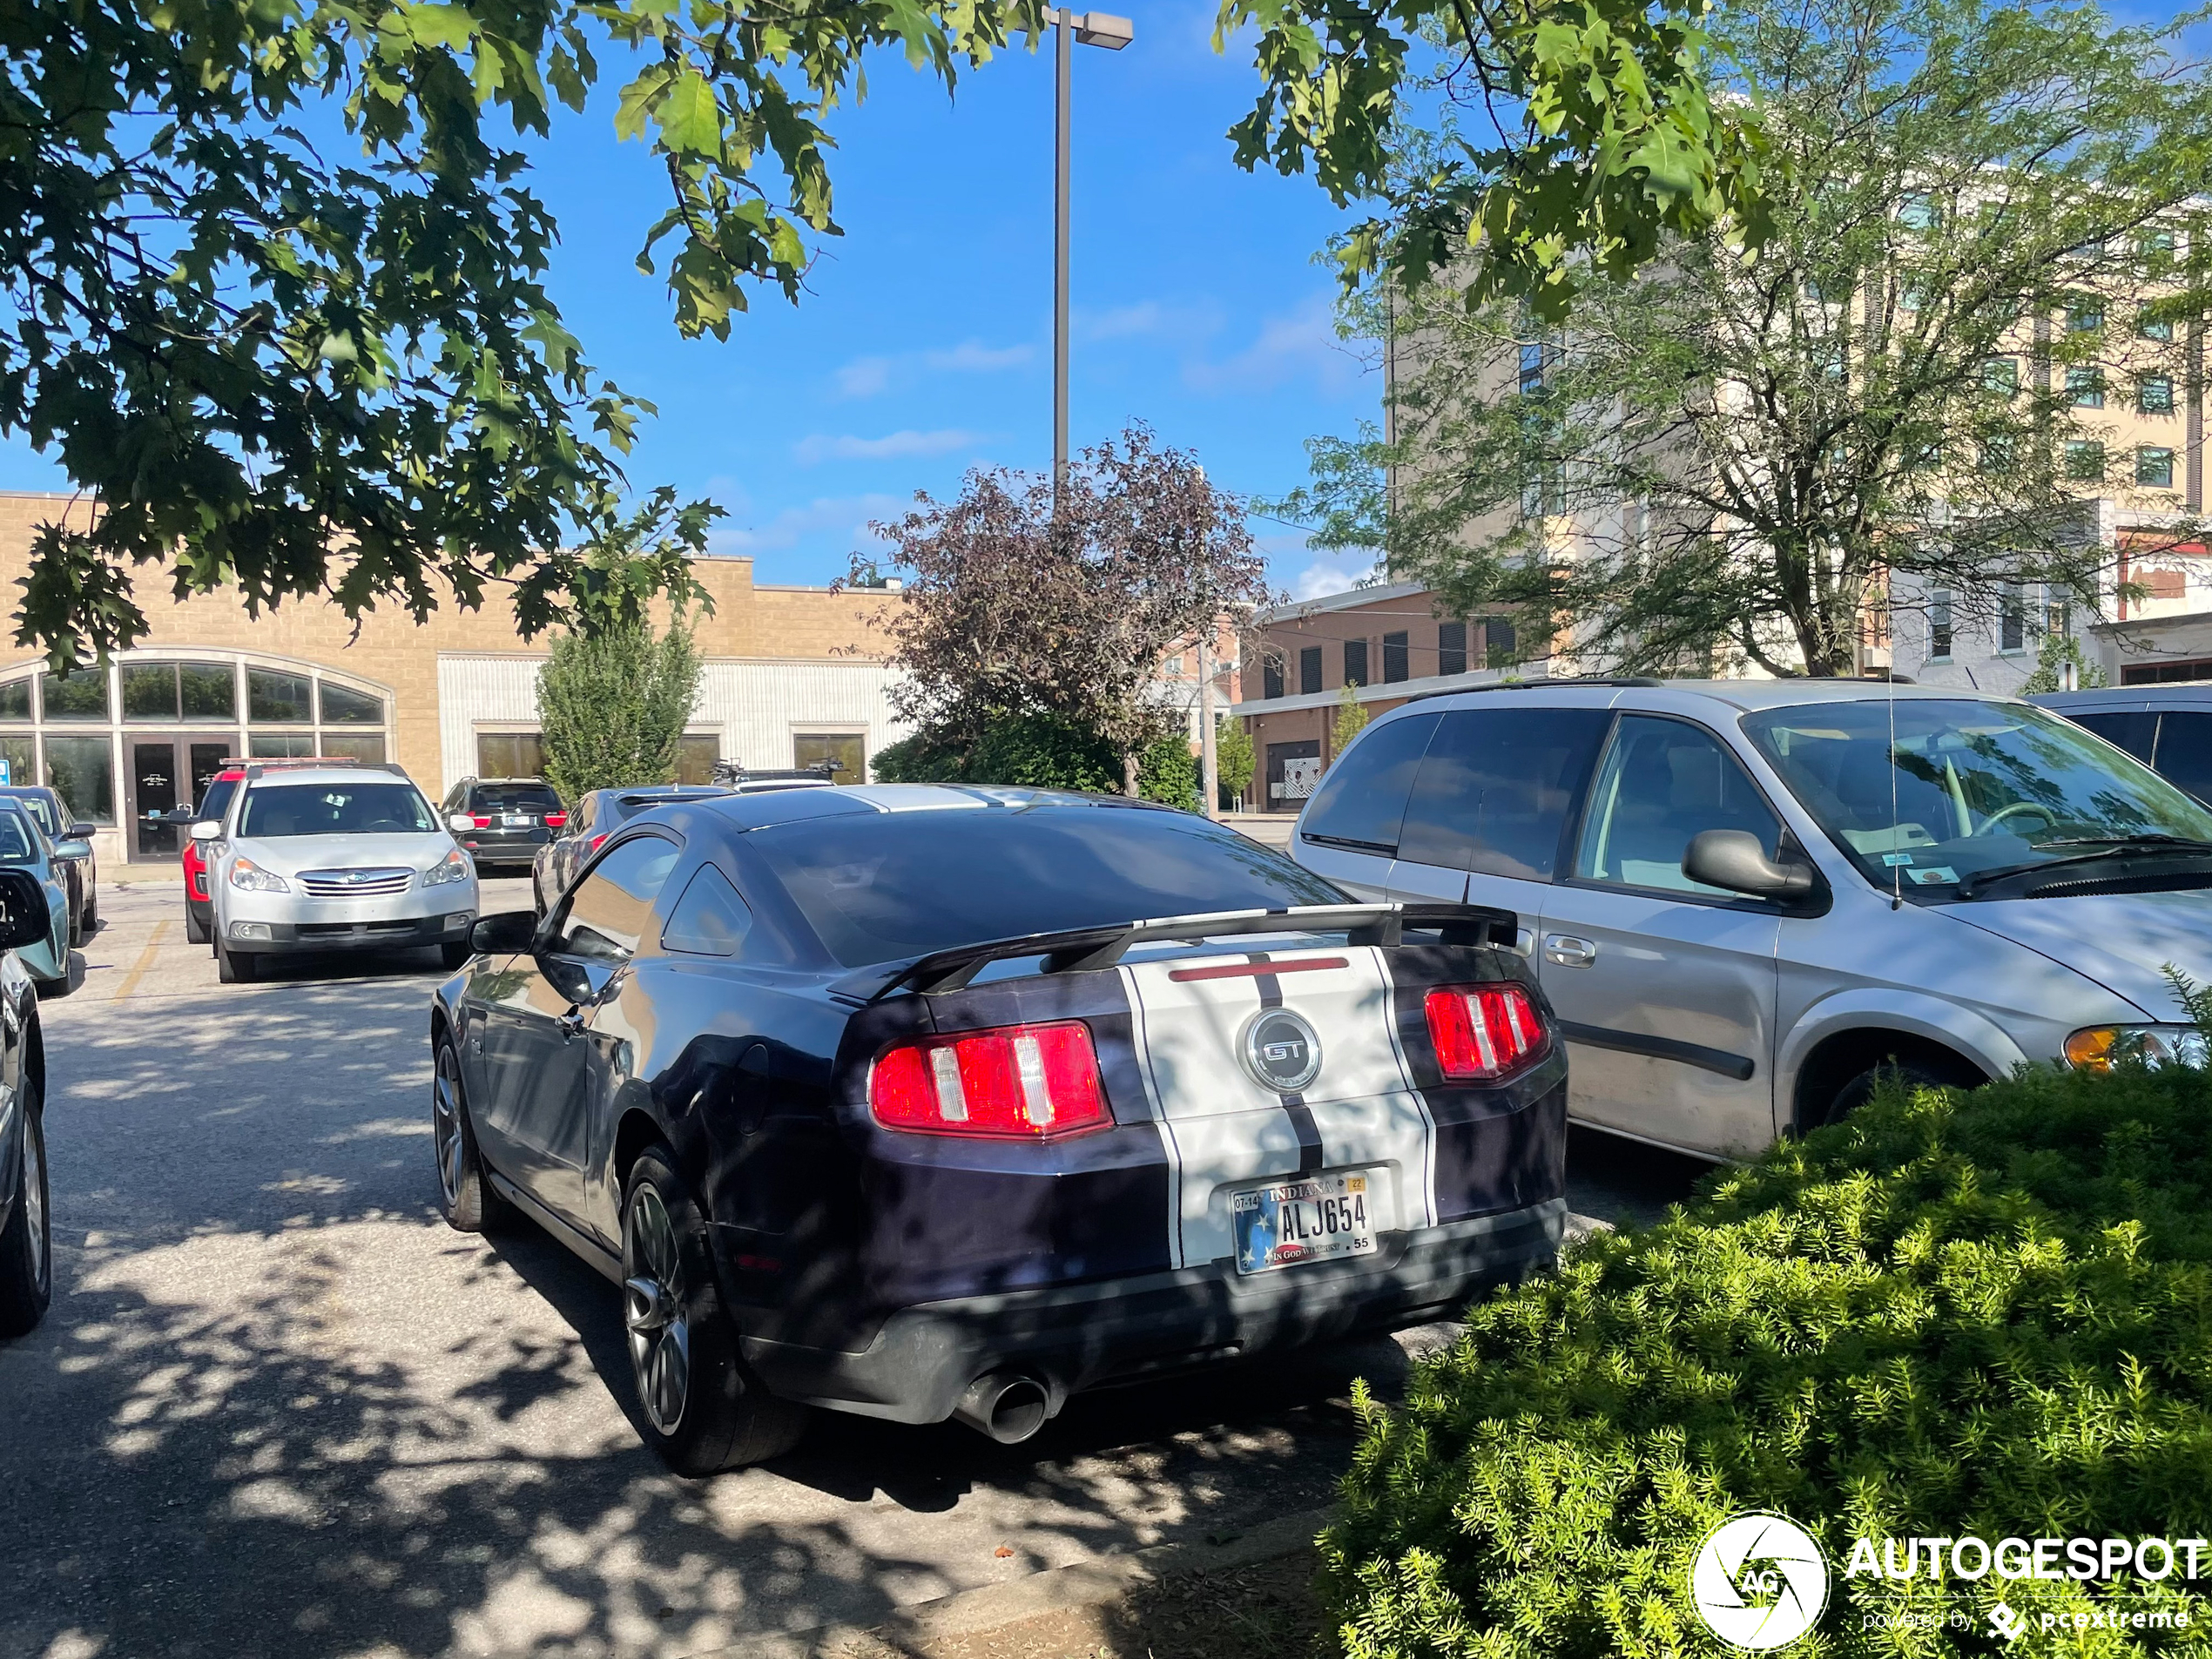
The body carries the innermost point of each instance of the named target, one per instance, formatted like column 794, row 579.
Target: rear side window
column 710, row 920
column 1361, row 801
column 217, row 800
column 2136, row 733
column 1497, row 787
column 878, row 888
column 2185, row 752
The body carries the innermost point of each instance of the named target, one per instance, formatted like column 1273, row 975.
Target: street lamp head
column 1103, row 29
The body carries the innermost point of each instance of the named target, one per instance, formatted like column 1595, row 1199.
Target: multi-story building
column 790, row 680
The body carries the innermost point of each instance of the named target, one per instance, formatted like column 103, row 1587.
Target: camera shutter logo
column 1759, row 1581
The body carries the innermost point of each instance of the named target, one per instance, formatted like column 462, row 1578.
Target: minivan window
column 2135, row 731
column 1362, row 798
column 1497, row 788
column 1966, row 788
column 1664, row 783
column 2184, row 754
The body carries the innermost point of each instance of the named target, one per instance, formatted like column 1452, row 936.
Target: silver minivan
column 1745, row 899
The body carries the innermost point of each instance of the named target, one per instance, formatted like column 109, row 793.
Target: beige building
column 792, row 678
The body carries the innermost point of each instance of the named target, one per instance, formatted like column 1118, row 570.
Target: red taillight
column 481, row 820
column 1022, row 1082
column 597, row 842
column 1484, row 1032
column 557, row 820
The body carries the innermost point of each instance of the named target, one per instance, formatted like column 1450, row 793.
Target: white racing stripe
column 1223, row 1129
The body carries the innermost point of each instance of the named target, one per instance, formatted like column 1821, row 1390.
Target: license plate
column 518, row 820
column 1315, row 1218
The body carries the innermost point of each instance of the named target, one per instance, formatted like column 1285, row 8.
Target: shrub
column 1035, row 751
column 1168, row 772
column 1953, row 1315
column 613, row 706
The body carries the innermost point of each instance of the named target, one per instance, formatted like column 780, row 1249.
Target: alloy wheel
column 445, row 1123
column 656, row 1310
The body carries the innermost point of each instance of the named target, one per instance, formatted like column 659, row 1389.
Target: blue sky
column 924, row 347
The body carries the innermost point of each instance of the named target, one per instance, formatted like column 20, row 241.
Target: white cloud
column 1332, row 573
column 845, row 515
column 864, row 377
column 1293, row 345
column 873, row 377
column 974, row 357
column 1149, row 319
column 820, row 446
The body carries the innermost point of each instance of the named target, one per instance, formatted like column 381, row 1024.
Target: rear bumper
column 400, row 933
column 488, row 846
column 1076, row 1337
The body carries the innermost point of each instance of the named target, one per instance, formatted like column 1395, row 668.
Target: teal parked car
column 24, row 846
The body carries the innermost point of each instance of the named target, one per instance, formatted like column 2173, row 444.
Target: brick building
column 790, row 680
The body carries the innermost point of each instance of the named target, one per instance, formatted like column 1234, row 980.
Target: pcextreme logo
column 1759, row 1581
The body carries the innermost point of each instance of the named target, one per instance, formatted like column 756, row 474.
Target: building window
column 81, row 770
column 278, row 697
column 342, row 705
column 15, row 700
column 183, row 690
column 2198, row 668
column 1451, row 648
column 2012, row 618
column 19, row 756
column 1497, row 642
column 365, row 747
column 846, row 752
column 2154, row 467
column 1940, row 626
column 1309, row 670
column 1997, row 452
column 2152, row 326
column 510, row 754
column 2001, row 376
column 2085, row 460
column 1917, row 211
column 2154, row 394
column 2084, row 387
column 83, row 696
column 1270, row 675
column 281, row 746
column 2085, row 314
column 1355, row 662
column 1397, row 659
column 2155, row 253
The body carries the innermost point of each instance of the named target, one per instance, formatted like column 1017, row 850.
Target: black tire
column 466, row 1196
column 537, row 894
column 27, row 1244
column 195, row 928
column 1913, row 1074
column 453, row 956
column 76, row 929
column 235, row 966
column 91, row 912
column 703, row 1409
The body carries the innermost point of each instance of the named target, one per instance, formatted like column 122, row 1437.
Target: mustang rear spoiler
column 1077, row 949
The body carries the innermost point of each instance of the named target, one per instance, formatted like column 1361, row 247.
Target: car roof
column 766, row 809
column 509, row 783
column 44, row 791
column 2170, row 696
column 1745, row 695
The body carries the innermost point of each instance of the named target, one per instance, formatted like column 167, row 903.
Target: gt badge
column 1281, row 1051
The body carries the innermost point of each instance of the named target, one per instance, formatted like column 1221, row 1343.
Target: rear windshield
column 515, row 798
column 336, row 809
column 882, row 888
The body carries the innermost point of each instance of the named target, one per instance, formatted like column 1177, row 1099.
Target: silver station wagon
column 1746, row 899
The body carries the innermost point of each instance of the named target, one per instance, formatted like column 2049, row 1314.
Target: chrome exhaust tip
column 1005, row 1405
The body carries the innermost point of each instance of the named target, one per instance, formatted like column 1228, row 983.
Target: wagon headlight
column 2100, row 1047
column 250, row 877
column 454, row 866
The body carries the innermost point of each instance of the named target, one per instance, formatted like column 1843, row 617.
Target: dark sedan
column 599, row 814
column 891, row 1100
column 26, row 1232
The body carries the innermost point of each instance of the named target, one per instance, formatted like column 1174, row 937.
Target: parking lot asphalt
column 280, row 1409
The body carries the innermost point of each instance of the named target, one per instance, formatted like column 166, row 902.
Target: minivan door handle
column 1568, row 951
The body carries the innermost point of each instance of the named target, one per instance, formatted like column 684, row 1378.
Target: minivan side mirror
column 1734, row 861
column 208, row 829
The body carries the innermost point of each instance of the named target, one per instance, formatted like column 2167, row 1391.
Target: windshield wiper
column 2110, row 846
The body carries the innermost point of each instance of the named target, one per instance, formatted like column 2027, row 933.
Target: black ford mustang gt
column 925, row 1103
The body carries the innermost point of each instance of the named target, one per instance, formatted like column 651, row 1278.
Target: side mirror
column 81, row 831
column 208, row 829
column 23, row 916
column 1734, row 861
column 76, row 847
column 461, row 823
column 503, row 933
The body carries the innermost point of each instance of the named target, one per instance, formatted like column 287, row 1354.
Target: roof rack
column 736, row 772
column 1542, row 684
column 256, row 769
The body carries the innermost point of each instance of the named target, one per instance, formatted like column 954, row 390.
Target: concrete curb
column 1080, row 1584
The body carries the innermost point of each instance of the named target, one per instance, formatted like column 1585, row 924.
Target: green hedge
column 1033, row 751
column 1984, row 1314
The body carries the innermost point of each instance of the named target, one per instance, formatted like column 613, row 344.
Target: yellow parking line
column 146, row 959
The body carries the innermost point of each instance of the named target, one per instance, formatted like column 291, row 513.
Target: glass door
column 164, row 774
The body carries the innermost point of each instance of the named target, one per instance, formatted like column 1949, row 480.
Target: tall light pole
column 1071, row 30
